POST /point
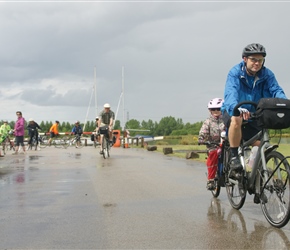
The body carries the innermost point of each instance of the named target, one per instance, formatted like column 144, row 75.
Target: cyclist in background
column 53, row 131
column 106, row 118
column 77, row 129
column 210, row 131
column 95, row 135
column 249, row 80
column 5, row 129
column 19, row 129
column 33, row 128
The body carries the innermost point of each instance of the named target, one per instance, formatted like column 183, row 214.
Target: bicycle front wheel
column 43, row 142
column 105, row 147
column 275, row 191
column 108, row 147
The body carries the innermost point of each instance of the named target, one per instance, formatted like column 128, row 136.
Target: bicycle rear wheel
column 275, row 191
column 65, row 141
column 79, row 143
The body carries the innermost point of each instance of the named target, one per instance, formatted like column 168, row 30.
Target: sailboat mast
column 95, row 87
column 123, row 97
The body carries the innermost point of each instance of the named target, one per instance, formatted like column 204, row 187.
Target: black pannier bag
column 104, row 130
column 273, row 113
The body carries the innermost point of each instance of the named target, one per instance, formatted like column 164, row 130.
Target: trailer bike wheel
column 217, row 188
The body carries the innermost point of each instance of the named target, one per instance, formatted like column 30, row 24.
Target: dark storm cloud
column 176, row 55
column 49, row 97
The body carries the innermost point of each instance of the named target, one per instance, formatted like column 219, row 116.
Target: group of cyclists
column 106, row 118
column 249, row 80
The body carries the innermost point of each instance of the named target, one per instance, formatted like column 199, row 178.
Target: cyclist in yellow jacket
column 4, row 133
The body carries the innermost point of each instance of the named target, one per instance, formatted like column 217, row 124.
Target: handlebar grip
column 236, row 112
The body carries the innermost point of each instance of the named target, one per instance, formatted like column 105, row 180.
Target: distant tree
column 132, row 124
column 148, row 125
column 167, row 125
column 117, row 125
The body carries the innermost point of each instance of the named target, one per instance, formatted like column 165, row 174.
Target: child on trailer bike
column 210, row 134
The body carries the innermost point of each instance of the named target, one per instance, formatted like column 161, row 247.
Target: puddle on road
column 109, row 205
column 75, row 155
column 34, row 157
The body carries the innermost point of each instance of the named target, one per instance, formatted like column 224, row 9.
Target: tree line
column 166, row 126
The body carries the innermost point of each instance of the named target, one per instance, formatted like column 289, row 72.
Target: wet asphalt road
column 74, row 199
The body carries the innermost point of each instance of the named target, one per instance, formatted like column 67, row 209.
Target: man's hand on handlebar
column 244, row 113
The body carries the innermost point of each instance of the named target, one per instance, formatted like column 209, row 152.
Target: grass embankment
column 181, row 145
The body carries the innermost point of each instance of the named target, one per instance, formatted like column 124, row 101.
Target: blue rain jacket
column 238, row 88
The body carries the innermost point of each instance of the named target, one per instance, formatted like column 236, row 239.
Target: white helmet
column 30, row 120
column 107, row 105
column 215, row 103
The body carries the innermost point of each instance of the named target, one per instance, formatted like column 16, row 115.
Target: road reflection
column 232, row 226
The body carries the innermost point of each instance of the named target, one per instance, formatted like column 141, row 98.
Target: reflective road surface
column 137, row 199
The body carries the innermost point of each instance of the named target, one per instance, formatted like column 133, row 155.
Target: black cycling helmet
column 57, row 121
column 254, row 48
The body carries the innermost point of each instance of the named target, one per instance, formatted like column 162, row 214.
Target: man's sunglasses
column 257, row 60
column 215, row 109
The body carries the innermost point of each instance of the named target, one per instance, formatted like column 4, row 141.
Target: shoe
column 1, row 155
column 210, row 185
column 235, row 164
column 258, row 198
column 101, row 152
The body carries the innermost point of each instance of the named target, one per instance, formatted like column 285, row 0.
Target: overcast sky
column 176, row 55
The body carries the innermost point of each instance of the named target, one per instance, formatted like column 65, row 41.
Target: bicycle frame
column 263, row 148
column 269, row 179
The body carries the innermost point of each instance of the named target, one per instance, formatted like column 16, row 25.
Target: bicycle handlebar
column 236, row 112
